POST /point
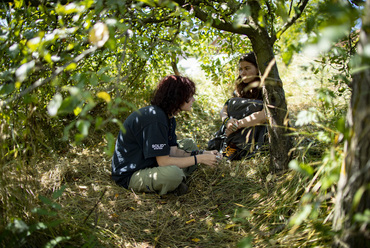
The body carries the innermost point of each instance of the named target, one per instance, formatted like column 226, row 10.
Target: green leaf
column 18, row 226
column 288, row 54
column 59, row 192
column 40, row 226
column 301, row 167
column 66, row 130
column 41, row 211
column 357, row 197
column 148, row 2
column 71, row 66
column 54, row 242
column 302, row 215
column 362, row 217
column 83, row 126
column 68, row 104
column 324, row 137
column 109, row 149
column 6, row 88
column 119, row 123
column 99, row 122
column 246, row 242
column 45, row 200
column 94, row 79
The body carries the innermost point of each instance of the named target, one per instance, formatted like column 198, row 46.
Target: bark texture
column 275, row 104
column 353, row 195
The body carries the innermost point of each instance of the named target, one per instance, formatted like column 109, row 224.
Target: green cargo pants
column 163, row 179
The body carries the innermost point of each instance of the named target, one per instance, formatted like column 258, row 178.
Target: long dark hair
column 172, row 92
column 242, row 89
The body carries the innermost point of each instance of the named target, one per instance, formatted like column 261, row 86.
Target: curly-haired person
column 147, row 156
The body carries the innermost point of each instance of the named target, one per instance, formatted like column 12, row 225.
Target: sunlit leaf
column 302, row 215
column 77, row 111
column 228, row 226
column 55, row 104
column 18, row 226
column 34, row 43
column 241, row 16
column 71, row 67
column 306, row 117
column 54, row 242
column 358, row 196
column 99, row 34
column 23, row 70
column 40, row 226
column 363, row 217
column 104, row 95
column 148, row 2
column 190, row 221
column 324, row 137
column 301, row 167
column 83, row 127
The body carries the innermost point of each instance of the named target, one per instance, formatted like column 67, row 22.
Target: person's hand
column 214, row 152
column 209, row 159
column 231, row 126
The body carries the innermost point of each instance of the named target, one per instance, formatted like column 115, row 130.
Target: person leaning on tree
column 147, row 157
column 242, row 115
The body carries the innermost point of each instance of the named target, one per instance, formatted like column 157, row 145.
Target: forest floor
column 236, row 204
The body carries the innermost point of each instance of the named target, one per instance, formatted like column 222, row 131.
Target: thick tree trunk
column 275, row 103
column 353, row 196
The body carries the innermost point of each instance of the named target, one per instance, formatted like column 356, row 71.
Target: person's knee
column 172, row 174
column 187, row 144
column 167, row 179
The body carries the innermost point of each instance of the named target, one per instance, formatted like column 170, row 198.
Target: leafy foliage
column 73, row 71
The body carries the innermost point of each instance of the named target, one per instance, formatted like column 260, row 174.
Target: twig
column 96, row 204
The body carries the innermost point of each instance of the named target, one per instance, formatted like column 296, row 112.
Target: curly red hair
column 172, row 92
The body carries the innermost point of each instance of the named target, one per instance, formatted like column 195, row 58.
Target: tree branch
column 287, row 25
column 41, row 81
column 216, row 23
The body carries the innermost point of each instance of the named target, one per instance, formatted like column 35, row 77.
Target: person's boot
column 182, row 189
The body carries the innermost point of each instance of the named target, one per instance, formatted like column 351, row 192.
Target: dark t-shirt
column 148, row 133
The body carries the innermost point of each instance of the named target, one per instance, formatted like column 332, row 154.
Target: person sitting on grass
column 147, row 157
column 244, row 130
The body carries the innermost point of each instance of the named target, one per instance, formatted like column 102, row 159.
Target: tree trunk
column 275, row 103
column 353, row 195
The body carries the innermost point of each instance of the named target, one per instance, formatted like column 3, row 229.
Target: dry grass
column 224, row 205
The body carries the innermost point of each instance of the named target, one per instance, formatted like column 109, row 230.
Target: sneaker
column 182, row 189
